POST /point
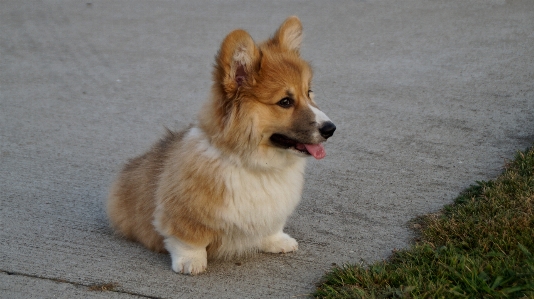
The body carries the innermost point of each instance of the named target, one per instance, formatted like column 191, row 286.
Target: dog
column 226, row 186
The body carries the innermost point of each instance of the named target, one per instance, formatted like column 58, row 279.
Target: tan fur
column 181, row 187
column 131, row 201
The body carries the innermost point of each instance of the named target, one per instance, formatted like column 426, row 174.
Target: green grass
column 481, row 246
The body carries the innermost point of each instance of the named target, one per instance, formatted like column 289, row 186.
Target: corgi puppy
column 227, row 185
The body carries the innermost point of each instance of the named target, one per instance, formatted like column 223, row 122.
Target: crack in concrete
column 97, row 287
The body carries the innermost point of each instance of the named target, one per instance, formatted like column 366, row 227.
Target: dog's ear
column 289, row 36
column 236, row 62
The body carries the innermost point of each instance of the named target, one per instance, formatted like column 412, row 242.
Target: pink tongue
column 316, row 150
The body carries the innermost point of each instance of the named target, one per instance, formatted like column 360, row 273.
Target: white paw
column 186, row 259
column 189, row 265
column 279, row 243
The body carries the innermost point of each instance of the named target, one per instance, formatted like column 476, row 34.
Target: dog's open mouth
column 315, row 150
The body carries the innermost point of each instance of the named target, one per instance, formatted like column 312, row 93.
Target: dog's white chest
column 259, row 203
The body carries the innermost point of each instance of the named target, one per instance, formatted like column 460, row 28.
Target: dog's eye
column 285, row 102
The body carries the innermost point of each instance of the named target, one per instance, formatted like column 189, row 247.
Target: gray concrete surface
column 428, row 97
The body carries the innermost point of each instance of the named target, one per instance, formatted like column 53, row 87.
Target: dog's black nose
column 327, row 130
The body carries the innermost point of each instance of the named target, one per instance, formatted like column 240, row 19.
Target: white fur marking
column 279, row 243
column 186, row 259
column 257, row 206
column 320, row 117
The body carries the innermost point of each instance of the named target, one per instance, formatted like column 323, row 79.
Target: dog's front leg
column 279, row 242
column 186, row 258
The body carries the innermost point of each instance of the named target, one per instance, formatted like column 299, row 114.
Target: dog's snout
column 327, row 129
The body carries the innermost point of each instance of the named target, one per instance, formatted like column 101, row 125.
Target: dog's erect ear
column 236, row 62
column 289, row 35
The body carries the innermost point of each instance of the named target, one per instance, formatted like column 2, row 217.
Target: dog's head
column 263, row 98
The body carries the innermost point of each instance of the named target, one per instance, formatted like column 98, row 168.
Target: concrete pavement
column 428, row 97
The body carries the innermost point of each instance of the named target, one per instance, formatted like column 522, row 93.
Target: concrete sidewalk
column 428, row 97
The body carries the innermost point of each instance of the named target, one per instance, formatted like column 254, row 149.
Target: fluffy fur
column 227, row 185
